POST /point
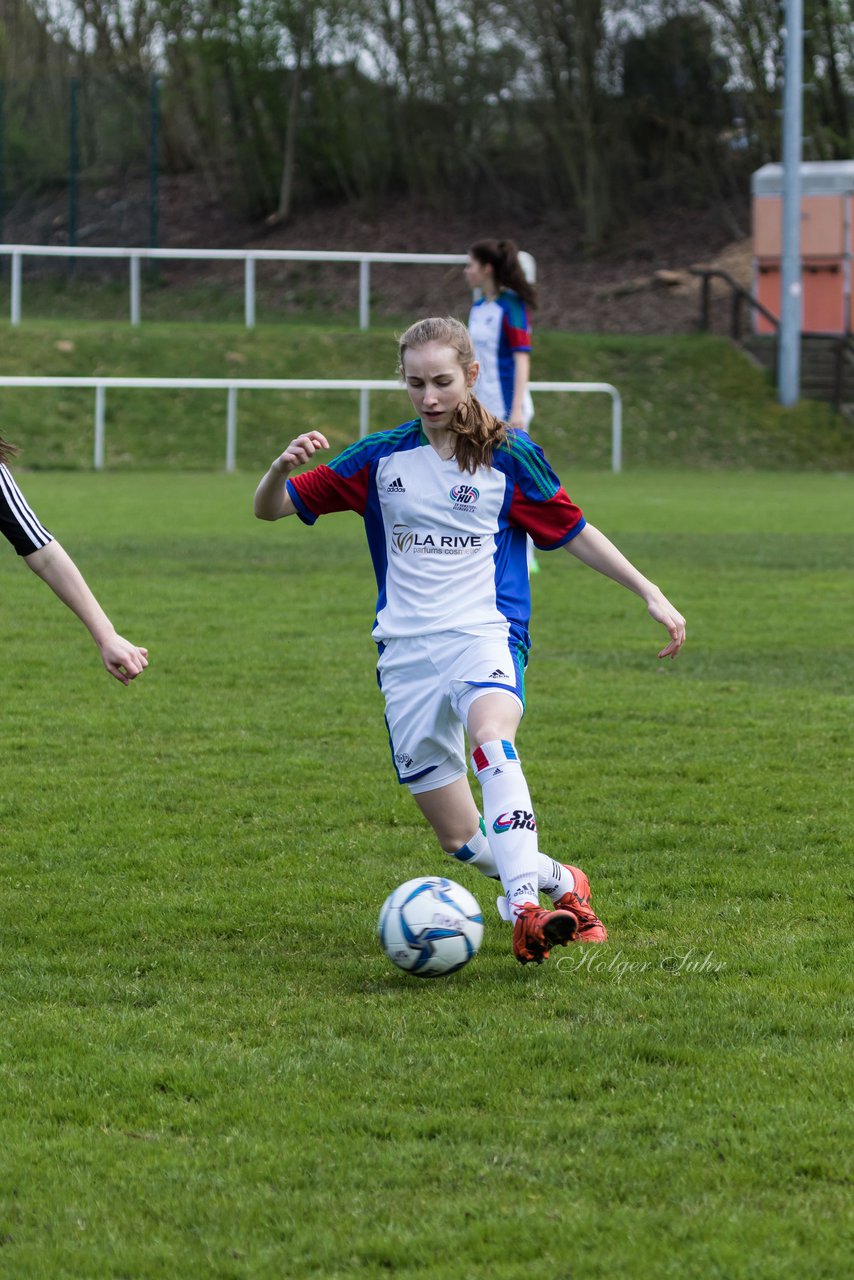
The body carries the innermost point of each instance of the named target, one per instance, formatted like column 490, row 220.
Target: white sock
column 477, row 853
column 511, row 828
column 553, row 877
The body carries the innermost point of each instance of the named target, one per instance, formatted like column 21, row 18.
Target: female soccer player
column 54, row 566
column 501, row 333
column 447, row 500
column 500, row 329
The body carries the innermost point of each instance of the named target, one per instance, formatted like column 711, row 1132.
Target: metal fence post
column 154, row 165
column 73, row 166
column 364, row 294
column 100, row 398
column 134, row 289
column 616, row 431
column 249, row 293
column 705, row 303
column 231, row 431
column 16, row 288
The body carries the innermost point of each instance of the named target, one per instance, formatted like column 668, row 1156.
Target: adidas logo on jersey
column 396, row 486
column 499, row 675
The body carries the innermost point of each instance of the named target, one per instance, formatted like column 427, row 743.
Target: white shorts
column 429, row 684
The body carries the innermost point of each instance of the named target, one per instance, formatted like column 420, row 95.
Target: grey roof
column 818, row 178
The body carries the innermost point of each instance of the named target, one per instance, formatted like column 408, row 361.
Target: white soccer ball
column 430, row 927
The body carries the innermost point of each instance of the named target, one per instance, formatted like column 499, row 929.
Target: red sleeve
column 550, row 523
column 519, row 339
column 322, row 490
column 517, row 326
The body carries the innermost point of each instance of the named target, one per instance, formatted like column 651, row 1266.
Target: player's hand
column 662, row 611
column 300, row 451
column 122, row 659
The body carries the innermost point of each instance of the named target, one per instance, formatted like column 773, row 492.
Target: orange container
column 823, row 284
column 826, row 244
column 766, row 287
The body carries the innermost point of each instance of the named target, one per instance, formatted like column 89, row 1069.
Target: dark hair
column 477, row 432
column 503, row 257
column 7, row 450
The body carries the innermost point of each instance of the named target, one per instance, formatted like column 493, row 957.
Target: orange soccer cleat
column 590, row 927
column 536, row 931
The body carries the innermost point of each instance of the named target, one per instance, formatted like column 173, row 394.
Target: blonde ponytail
column 477, row 432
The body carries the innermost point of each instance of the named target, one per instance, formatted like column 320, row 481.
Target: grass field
column 209, row 1068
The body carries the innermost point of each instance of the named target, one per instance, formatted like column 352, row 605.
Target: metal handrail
column 844, row 352
column 17, row 252
column 740, row 296
column 844, row 346
column 739, row 291
column 232, row 385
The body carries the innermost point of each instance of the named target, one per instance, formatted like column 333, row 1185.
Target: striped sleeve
column 18, row 522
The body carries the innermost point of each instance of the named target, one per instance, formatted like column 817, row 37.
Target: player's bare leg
column 451, row 812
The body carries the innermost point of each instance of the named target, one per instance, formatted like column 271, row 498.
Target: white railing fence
column 249, row 257
column 233, row 385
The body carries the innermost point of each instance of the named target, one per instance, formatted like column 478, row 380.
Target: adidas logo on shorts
column 499, row 675
column 396, row 486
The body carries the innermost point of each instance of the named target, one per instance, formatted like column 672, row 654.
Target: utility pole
column 154, row 164
column 789, row 366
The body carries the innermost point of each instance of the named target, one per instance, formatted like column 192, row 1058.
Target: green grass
column 209, row 1068
column 689, row 401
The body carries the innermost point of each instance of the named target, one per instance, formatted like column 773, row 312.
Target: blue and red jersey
column 499, row 328
column 448, row 548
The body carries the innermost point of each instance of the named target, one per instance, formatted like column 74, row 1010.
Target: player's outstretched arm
column 592, row 548
column 272, row 500
column 54, row 566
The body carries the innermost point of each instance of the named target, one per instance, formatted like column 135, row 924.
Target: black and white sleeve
column 18, row 522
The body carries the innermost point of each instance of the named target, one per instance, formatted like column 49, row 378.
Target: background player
column 500, row 328
column 54, row 566
column 447, row 500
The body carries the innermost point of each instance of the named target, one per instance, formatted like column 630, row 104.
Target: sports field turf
column 208, row 1067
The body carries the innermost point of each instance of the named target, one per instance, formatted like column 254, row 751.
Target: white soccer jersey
column 448, row 548
column 498, row 328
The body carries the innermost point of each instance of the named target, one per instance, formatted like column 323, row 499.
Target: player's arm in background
column 521, row 378
column 516, row 326
column 272, row 500
column 592, row 548
column 54, row 566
